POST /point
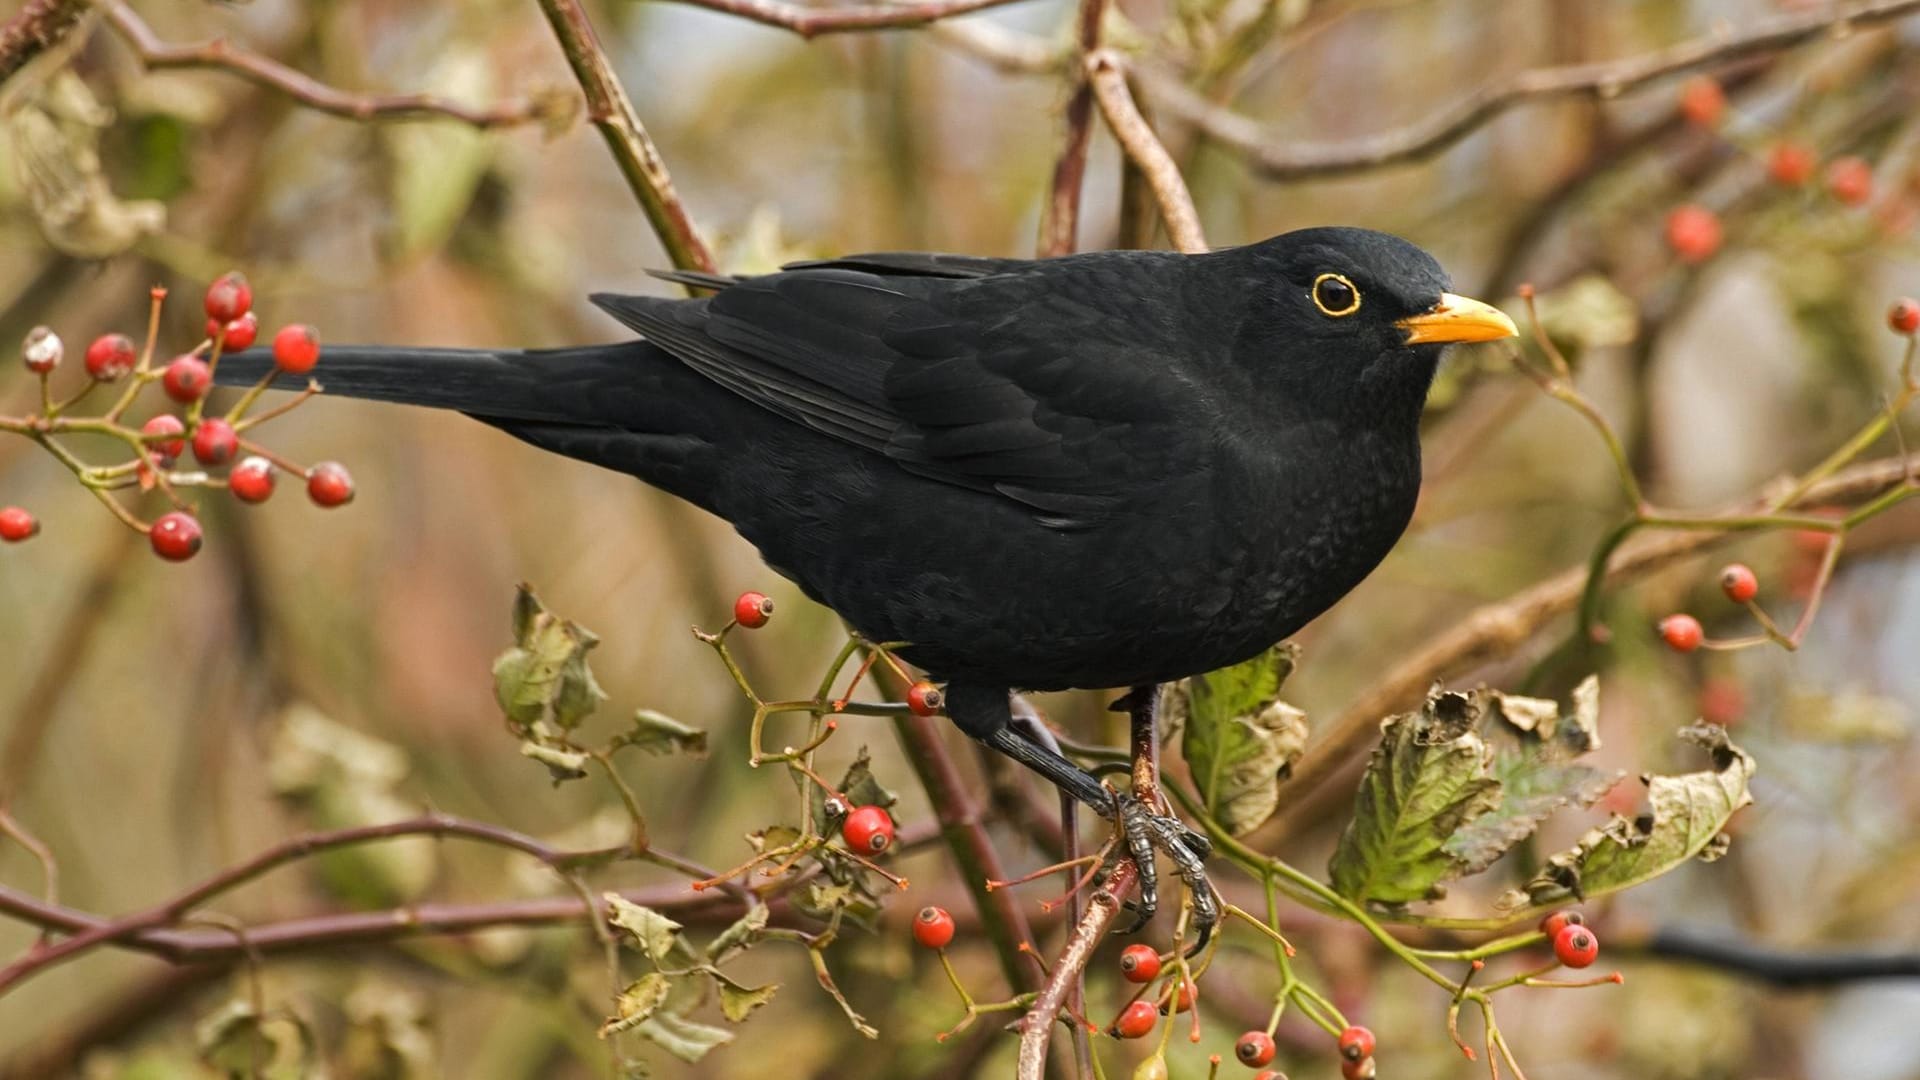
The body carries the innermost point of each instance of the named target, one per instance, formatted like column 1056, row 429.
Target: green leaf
column 1430, row 775
column 545, row 674
column 683, row 1038
column 637, row 1003
column 737, row 1001
column 743, row 934
column 238, row 1042
column 1534, row 747
column 561, row 763
column 654, row 933
column 1239, row 739
column 1684, row 819
column 658, row 733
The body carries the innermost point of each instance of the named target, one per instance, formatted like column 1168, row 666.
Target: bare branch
column 1060, row 225
column 813, row 22
column 222, row 55
column 39, row 26
column 1106, row 74
column 639, row 160
column 1278, row 159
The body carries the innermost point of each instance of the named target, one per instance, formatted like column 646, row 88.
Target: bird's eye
column 1334, row 295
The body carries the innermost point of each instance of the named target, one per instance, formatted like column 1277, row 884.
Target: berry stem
column 237, row 415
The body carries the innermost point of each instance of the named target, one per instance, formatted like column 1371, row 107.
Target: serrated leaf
column 683, row 1038
column 737, row 1001
column 545, row 673
column 1239, row 739
column 654, row 933
column 637, row 1003
column 1685, row 816
column 743, row 934
column 657, row 733
column 1429, row 776
column 562, row 764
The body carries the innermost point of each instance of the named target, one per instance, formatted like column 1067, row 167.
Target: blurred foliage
column 314, row 672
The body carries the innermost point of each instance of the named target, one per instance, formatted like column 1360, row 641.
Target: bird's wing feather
column 1042, row 395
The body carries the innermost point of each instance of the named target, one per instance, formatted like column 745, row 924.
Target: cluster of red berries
column 1694, row 232
column 1683, row 633
column 1356, row 1053
column 214, row 441
column 1574, row 943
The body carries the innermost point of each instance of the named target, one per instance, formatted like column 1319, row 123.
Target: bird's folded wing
column 1025, row 389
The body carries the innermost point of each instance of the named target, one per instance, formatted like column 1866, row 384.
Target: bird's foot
column 1147, row 831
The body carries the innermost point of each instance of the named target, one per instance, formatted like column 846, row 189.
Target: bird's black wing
column 1050, row 392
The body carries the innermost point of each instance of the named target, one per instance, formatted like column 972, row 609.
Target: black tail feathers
column 571, row 386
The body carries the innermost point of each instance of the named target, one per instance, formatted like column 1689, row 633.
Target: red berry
column 752, row 610
column 42, row 350
column 1552, row 924
column 187, row 379
column 933, row 927
column 924, row 699
column 329, row 484
column 1693, row 232
column 110, row 357
column 1356, row 1043
column 1139, row 963
column 175, row 536
column 251, row 481
column 229, row 297
column 1682, row 633
column 1136, row 1020
column 237, row 334
column 16, row 524
column 1850, row 179
column 1362, row 1069
column 1254, row 1049
column 1269, row 1074
column 1576, row 946
column 166, row 450
column 868, row 830
column 215, row 442
column 1790, row 164
column 1738, row 582
column 1702, row 102
column 296, row 348
column 1722, row 701
column 1904, row 316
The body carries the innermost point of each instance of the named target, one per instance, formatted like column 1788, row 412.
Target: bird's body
column 1113, row 469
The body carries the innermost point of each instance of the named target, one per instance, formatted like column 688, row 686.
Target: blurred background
column 315, row 668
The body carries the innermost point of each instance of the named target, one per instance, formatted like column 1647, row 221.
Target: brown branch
column 1600, row 81
column 39, row 26
column 633, row 150
column 1106, row 74
column 1496, row 629
column 1060, row 225
column 813, row 22
column 222, row 55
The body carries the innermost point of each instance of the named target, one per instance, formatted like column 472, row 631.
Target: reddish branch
column 39, row 26
column 222, row 55
column 812, row 22
column 1060, row 225
column 1277, row 158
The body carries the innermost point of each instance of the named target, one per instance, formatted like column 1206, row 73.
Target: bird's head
column 1342, row 319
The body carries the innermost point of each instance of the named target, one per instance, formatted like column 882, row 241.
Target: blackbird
column 1111, row 469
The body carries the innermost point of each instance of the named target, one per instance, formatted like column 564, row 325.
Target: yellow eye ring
column 1335, row 295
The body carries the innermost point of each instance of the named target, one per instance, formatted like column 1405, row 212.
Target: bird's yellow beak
column 1457, row 318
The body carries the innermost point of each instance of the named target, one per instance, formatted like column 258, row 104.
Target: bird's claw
column 1146, row 831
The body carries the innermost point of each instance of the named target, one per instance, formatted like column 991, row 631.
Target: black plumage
column 1110, row 469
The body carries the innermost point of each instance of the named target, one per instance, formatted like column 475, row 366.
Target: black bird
column 1104, row 470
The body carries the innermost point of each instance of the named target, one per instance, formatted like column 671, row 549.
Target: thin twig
column 633, row 150
column 813, row 22
column 1278, row 159
column 1060, row 226
column 220, row 54
column 1106, row 74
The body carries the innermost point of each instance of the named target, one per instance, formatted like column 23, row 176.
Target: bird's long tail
column 547, row 385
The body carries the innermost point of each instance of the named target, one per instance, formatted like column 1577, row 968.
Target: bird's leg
column 1156, row 826
column 984, row 714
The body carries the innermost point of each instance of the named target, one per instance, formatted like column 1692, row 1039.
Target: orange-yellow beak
column 1456, row 319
